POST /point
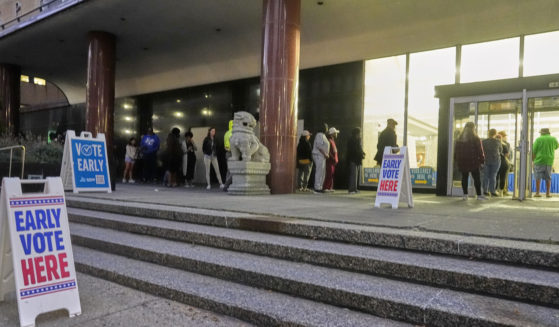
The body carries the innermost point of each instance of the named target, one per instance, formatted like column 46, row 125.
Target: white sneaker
column 464, row 197
column 221, row 186
column 131, row 181
column 124, row 180
column 481, row 197
column 209, row 187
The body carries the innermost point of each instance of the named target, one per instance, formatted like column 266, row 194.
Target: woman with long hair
column 209, row 148
column 469, row 156
column 189, row 158
column 130, row 160
column 304, row 161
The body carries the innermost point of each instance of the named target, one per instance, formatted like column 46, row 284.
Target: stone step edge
column 412, row 311
column 519, row 290
column 493, row 249
column 240, row 309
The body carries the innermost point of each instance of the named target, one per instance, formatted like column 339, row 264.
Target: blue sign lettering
column 90, row 164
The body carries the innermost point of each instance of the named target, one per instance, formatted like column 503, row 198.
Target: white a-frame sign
column 85, row 167
column 36, row 258
column 394, row 183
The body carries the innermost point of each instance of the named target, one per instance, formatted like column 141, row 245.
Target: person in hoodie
column 320, row 150
column 331, row 161
column 149, row 146
column 227, row 146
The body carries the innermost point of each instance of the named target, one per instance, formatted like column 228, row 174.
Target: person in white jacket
column 130, row 160
column 321, row 148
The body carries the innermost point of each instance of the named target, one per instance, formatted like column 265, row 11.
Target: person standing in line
column 386, row 138
column 331, row 161
column 355, row 156
column 209, row 148
column 304, row 161
column 321, row 148
column 502, row 174
column 172, row 157
column 227, row 146
column 189, row 158
column 492, row 149
column 129, row 160
column 469, row 157
column 149, row 146
column 543, row 154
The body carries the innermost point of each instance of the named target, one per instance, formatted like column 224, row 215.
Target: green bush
column 37, row 151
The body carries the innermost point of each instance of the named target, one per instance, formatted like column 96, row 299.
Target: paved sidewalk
column 108, row 304
column 531, row 220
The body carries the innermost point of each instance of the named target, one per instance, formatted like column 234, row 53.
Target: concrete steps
column 416, row 287
column 507, row 281
column 471, row 247
column 254, row 305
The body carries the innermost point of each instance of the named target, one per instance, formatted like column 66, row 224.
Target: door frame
column 525, row 141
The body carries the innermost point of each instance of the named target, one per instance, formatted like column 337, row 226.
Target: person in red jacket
column 469, row 156
column 331, row 161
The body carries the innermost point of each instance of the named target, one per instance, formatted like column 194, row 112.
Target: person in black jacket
column 209, row 148
column 304, row 161
column 386, row 138
column 355, row 157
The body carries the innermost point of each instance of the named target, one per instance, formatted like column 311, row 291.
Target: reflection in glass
column 385, row 81
column 490, row 60
column 427, row 69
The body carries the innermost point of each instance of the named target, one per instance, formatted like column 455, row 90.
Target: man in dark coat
column 386, row 138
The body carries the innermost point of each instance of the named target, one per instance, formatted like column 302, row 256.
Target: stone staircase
column 309, row 273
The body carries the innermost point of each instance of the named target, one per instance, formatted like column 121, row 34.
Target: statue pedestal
column 249, row 177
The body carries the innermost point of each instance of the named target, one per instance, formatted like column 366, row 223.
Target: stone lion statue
column 245, row 145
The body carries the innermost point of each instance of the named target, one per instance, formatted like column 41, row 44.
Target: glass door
column 542, row 112
column 501, row 112
column 521, row 115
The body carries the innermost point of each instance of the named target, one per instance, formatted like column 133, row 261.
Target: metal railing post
column 11, row 148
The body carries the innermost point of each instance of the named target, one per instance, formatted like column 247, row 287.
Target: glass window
column 490, row 60
column 384, row 98
column 540, row 54
column 427, row 69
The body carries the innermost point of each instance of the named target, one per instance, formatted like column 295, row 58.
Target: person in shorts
column 543, row 153
column 129, row 160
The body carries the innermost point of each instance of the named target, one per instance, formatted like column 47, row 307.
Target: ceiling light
column 178, row 100
column 127, row 118
column 178, row 114
column 127, row 106
column 39, row 81
column 24, row 78
column 154, row 117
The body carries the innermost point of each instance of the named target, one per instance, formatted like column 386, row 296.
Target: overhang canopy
column 168, row 44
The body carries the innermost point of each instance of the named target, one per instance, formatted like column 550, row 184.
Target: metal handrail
column 11, row 148
column 54, row 4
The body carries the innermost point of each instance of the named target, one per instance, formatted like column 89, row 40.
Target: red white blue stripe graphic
column 47, row 289
column 36, row 201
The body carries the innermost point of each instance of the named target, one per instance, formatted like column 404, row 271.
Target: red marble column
column 100, row 88
column 278, row 89
column 9, row 98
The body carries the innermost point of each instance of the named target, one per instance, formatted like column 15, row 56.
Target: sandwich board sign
column 85, row 167
column 394, row 184
column 36, row 257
